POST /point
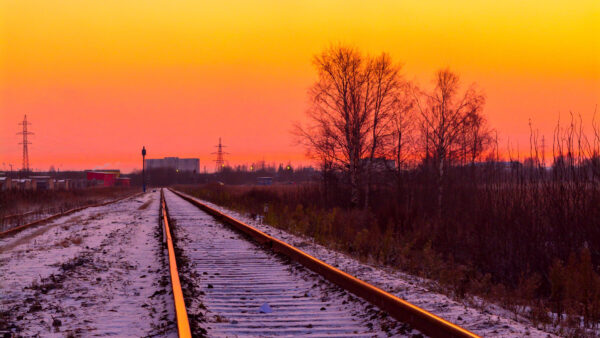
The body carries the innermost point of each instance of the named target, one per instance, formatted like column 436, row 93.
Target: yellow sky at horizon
column 107, row 77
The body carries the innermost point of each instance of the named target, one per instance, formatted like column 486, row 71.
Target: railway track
column 274, row 289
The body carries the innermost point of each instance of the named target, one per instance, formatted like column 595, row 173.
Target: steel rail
column 21, row 215
column 400, row 309
column 183, row 325
column 61, row 214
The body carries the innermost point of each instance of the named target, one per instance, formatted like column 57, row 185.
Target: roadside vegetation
column 452, row 205
column 21, row 206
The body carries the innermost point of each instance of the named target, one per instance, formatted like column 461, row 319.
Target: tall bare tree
column 445, row 117
column 338, row 121
column 400, row 145
column 351, row 112
column 478, row 134
column 381, row 101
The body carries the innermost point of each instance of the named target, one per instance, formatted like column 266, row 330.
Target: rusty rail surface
column 183, row 325
column 61, row 214
column 21, row 215
column 400, row 309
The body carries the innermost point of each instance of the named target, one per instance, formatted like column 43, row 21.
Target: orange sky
column 99, row 79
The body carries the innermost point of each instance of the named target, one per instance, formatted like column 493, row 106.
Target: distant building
column 24, row 184
column 78, row 183
column 179, row 164
column 107, row 178
column 62, row 184
column 123, row 182
column 5, row 183
column 43, row 182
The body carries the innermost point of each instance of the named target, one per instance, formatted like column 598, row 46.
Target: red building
column 123, row 182
column 107, row 178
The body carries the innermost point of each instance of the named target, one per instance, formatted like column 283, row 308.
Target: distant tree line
column 237, row 175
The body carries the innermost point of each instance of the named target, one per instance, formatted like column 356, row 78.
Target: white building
column 180, row 164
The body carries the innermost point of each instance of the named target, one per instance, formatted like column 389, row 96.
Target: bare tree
column 477, row 133
column 400, row 143
column 352, row 112
column 382, row 99
column 338, row 120
column 445, row 117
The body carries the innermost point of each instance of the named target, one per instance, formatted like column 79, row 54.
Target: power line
column 220, row 160
column 25, row 143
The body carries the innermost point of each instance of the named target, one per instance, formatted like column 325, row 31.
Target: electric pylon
column 25, row 143
column 220, row 161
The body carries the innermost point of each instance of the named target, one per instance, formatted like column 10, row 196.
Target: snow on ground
column 487, row 320
column 100, row 271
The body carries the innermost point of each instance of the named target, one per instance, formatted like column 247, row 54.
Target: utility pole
column 144, row 168
column 220, row 161
column 25, row 143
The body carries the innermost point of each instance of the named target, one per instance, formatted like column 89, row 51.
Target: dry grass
column 40, row 203
column 19, row 202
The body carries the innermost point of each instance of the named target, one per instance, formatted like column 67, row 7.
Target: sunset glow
column 100, row 79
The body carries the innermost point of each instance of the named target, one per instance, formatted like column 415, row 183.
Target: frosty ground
column 100, row 271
